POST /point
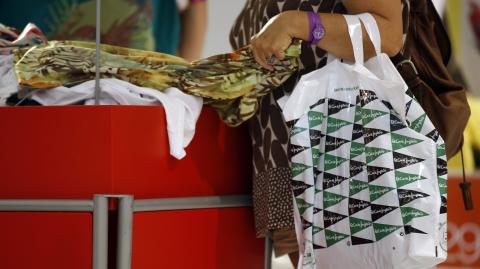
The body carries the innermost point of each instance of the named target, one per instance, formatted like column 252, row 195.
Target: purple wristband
column 317, row 31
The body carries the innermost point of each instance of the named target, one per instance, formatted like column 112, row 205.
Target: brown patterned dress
column 273, row 206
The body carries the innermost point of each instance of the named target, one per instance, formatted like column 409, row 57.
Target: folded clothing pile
column 231, row 83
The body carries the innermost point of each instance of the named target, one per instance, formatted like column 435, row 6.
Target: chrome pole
column 124, row 235
column 97, row 51
column 100, row 232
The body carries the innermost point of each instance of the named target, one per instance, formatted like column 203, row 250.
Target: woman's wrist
column 296, row 24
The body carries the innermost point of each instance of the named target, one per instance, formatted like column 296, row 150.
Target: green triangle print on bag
column 356, row 149
column 332, row 161
column 403, row 179
column 409, row 213
column 330, row 199
column 369, row 115
column 401, row 141
column 316, row 154
column 378, row 191
column 357, row 225
column 298, row 168
column 334, row 237
column 442, row 185
column 315, row 118
column 441, row 150
column 417, row 124
column 372, row 153
column 358, row 114
column 357, row 186
column 302, row 205
column 383, row 230
column 316, row 229
column 334, row 124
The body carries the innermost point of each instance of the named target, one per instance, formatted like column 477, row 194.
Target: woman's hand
column 275, row 37
column 277, row 34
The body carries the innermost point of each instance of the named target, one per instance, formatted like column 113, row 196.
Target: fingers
column 261, row 53
column 280, row 54
column 262, row 60
column 266, row 49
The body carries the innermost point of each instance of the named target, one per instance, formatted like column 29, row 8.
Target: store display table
column 74, row 152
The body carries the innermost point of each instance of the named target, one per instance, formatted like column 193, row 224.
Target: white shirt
column 182, row 110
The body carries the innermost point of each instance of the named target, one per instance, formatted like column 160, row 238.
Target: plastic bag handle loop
column 355, row 32
column 373, row 32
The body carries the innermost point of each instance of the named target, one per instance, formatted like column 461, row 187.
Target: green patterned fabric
column 231, row 83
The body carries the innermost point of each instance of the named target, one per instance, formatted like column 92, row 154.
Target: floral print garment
column 232, row 83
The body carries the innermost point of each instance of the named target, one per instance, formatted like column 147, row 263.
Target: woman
column 159, row 25
column 270, row 26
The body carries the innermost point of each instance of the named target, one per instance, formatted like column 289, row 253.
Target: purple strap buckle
column 317, row 30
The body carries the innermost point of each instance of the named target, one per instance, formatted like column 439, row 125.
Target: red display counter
column 74, row 152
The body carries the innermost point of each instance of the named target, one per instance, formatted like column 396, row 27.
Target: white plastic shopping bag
column 369, row 169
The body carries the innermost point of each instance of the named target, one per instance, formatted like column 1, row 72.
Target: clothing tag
column 467, row 195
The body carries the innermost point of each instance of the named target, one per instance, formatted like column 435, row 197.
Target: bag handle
column 373, row 32
column 355, row 32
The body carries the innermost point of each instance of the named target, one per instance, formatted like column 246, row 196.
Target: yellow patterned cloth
column 231, row 83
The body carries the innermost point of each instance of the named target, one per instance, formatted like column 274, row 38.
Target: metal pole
column 268, row 252
column 18, row 205
column 192, row 203
column 100, row 232
column 97, row 51
column 124, row 235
